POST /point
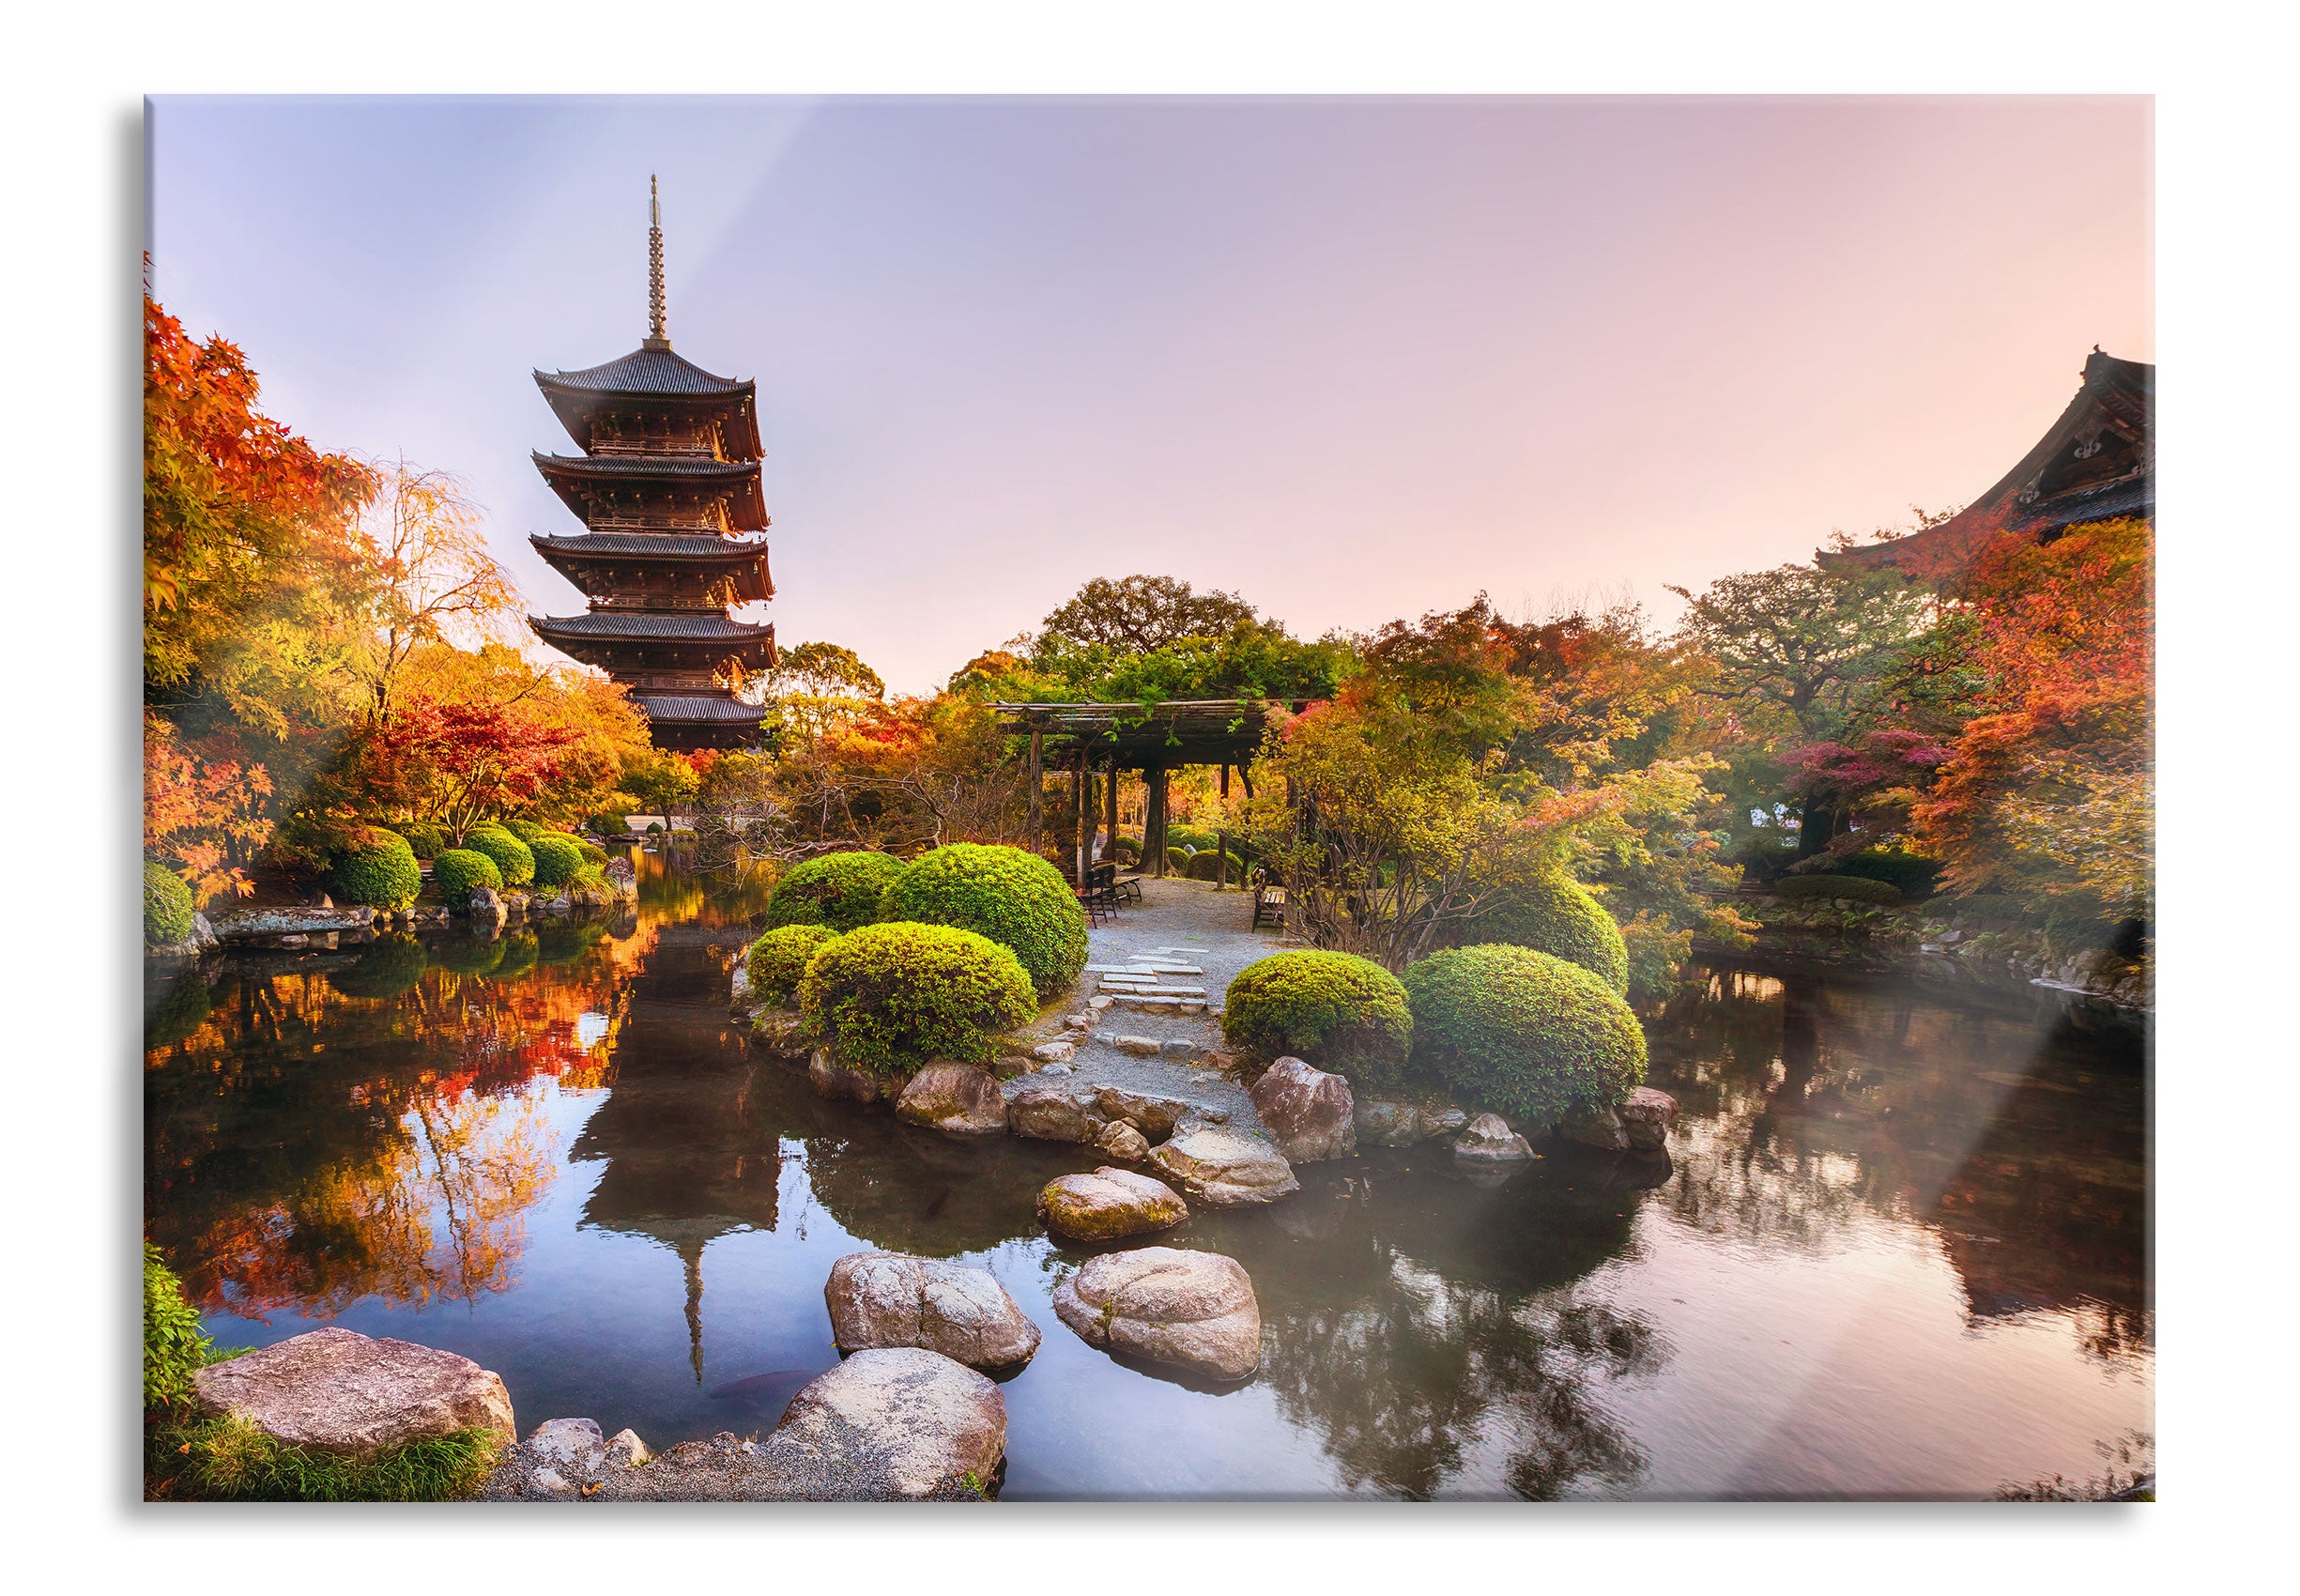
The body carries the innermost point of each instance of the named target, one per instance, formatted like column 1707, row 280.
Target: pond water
column 1901, row 1252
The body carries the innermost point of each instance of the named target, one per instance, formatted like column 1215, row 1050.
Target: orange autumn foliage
column 2046, row 793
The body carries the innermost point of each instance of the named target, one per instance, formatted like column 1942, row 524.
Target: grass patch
column 227, row 1459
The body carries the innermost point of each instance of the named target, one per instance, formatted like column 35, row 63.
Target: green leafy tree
column 1815, row 644
column 1141, row 614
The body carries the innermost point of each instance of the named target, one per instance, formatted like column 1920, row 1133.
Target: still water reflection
column 1901, row 1250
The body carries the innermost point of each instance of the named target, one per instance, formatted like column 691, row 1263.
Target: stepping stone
column 1160, row 1004
column 1141, row 1046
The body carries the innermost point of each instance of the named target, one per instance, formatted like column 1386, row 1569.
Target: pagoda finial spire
column 655, row 336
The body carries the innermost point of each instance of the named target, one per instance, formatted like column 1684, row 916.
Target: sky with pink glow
column 1353, row 358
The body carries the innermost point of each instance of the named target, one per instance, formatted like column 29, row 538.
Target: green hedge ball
column 513, row 857
column 557, row 859
column 457, row 872
column 1014, row 898
column 167, row 907
column 838, row 890
column 1555, row 913
column 891, row 996
column 779, row 958
column 1522, row 1032
column 1334, row 1010
column 1856, row 889
column 379, row 868
column 425, row 840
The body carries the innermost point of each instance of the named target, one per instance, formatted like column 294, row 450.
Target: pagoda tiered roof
column 651, row 626
column 575, row 477
column 705, row 711
column 745, row 562
column 664, row 442
column 654, row 380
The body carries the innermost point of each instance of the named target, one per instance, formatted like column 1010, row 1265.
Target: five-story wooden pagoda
column 668, row 485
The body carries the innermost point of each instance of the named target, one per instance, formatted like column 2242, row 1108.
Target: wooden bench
column 1269, row 904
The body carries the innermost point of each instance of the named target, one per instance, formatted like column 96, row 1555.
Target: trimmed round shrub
column 1551, row 912
column 378, row 868
column 167, row 907
column 526, row 831
column 779, row 958
column 426, row 840
column 558, row 858
column 593, row 854
column 1127, row 851
column 891, row 996
column 1190, row 838
column 1202, row 865
column 1855, row 889
column 1521, row 1032
column 1015, row 898
column 1335, row 1010
column 513, row 857
column 1912, row 875
column 458, row 871
column 838, row 890
column 1177, row 859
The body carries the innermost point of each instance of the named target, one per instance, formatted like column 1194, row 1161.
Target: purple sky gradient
column 1354, row 359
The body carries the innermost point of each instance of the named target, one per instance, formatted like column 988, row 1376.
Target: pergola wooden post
column 1037, row 794
column 1082, row 788
column 1154, row 823
column 1113, row 854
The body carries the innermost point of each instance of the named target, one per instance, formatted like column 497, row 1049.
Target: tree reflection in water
column 1817, row 1104
column 366, row 1123
column 1442, row 1339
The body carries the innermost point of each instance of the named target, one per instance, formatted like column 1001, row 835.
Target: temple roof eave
column 734, row 481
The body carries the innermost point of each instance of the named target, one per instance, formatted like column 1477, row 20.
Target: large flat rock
column 887, row 1300
column 898, row 1424
column 1195, row 1311
column 1223, row 1168
column 337, row 1390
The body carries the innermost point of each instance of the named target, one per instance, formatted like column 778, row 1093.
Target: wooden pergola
column 1106, row 740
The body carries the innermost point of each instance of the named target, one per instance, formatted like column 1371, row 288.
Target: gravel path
column 1173, row 915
